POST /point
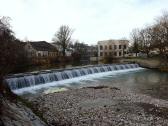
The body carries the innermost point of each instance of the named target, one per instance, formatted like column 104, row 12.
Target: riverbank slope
column 15, row 113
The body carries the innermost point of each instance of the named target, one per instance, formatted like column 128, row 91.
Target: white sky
column 92, row 20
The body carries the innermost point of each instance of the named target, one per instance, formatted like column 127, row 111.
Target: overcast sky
column 92, row 20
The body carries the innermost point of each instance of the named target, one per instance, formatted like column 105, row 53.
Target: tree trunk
column 147, row 53
column 63, row 52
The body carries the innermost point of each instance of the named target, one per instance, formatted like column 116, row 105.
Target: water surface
column 145, row 81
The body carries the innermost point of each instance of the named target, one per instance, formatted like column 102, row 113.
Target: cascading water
column 16, row 82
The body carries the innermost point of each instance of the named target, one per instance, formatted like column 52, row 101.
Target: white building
column 112, row 48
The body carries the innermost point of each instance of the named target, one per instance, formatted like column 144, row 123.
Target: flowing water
column 128, row 77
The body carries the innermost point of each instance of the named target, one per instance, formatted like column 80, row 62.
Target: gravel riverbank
column 101, row 106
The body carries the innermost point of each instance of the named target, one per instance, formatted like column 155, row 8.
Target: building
column 113, row 48
column 40, row 49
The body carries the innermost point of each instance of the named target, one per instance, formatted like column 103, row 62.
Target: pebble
column 68, row 107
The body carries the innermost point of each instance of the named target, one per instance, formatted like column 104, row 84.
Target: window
column 105, row 47
column 110, row 47
column 119, row 53
column 115, row 53
column 115, row 46
column 110, row 53
column 101, row 47
column 125, row 46
column 101, row 54
column 119, row 46
column 105, row 53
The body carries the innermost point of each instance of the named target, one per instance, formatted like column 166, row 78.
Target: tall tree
column 161, row 33
column 7, row 51
column 135, row 40
column 11, row 50
column 145, row 40
column 80, row 50
column 80, row 47
column 154, row 37
column 62, row 38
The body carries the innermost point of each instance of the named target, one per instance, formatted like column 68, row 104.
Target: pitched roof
column 43, row 46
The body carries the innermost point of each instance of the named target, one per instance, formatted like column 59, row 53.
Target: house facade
column 112, row 48
column 40, row 49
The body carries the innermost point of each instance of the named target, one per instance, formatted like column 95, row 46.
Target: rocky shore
column 101, row 106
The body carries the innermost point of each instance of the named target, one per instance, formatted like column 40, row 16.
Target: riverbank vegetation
column 13, row 110
column 12, row 54
column 152, row 38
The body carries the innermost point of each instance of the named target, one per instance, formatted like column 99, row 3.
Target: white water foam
column 34, row 88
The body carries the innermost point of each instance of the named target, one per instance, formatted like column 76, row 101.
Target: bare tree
column 135, row 41
column 62, row 38
column 80, row 47
column 145, row 40
column 161, row 33
column 80, row 50
column 11, row 50
column 6, row 58
column 152, row 37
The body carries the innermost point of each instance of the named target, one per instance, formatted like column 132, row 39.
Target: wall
column 111, row 48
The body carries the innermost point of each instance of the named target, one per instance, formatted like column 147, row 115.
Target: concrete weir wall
column 158, row 64
column 146, row 63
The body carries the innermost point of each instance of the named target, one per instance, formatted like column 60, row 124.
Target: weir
column 22, row 81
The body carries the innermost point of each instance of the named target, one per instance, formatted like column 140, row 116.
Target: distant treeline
column 153, row 37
